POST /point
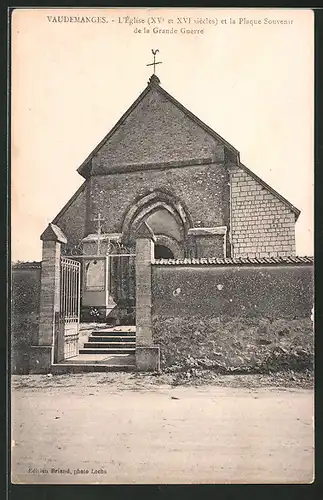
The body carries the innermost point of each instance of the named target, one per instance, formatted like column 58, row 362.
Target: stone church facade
column 162, row 166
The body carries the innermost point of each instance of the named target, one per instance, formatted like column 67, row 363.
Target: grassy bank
column 235, row 345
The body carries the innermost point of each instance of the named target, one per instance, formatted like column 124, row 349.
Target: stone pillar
column 42, row 354
column 147, row 355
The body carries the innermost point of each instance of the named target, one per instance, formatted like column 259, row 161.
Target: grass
column 235, row 345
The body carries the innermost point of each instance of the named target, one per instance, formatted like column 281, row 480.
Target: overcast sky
column 71, row 81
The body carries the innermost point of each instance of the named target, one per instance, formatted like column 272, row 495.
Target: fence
column 70, row 284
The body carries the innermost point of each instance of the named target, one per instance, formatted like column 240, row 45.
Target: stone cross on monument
column 154, row 63
column 99, row 220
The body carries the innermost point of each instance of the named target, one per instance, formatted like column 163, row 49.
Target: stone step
column 100, row 345
column 108, row 338
column 102, row 359
column 62, row 368
column 112, row 333
column 108, row 350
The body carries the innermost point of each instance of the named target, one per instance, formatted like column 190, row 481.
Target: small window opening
column 162, row 252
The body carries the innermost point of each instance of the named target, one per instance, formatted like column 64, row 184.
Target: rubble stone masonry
column 201, row 188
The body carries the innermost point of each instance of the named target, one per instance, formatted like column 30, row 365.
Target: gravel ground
column 194, row 378
column 123, row 428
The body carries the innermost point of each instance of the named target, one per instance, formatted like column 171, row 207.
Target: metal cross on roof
column 154, row 63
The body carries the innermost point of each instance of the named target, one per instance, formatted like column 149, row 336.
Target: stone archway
column 175, row 247
column 151, row 203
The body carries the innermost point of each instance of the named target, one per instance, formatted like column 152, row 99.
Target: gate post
column 147, row 355
column 42, row 355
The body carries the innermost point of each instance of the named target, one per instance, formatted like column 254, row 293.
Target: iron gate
column 121, row 280
column 69, row 319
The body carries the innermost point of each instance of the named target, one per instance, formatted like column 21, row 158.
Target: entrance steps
column 107, row 349
column 117, row 340
column 83, row 363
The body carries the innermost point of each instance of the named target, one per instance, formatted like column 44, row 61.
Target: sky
column 252, row 82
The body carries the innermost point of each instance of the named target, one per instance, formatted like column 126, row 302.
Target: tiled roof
column 26, row 265
column 238, row 261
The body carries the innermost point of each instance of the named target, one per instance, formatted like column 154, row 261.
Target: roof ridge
column 69, row 203
column 81, row 168
column 238, row 261
column 27, row 264
column 197, row 120
column 270, row 189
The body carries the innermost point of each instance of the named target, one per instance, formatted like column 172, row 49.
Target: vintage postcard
column 162, row 173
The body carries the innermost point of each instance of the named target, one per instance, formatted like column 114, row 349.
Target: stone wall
column 25, row 287
column 210, row 246
column 261, row 224
column 201, row 188
column 233, row 318
column 234, row 345
column 156, row 131
column 191, row 291
column 25, row 303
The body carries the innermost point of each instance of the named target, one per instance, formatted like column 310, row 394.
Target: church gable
column 168, row 149
column 157, row 130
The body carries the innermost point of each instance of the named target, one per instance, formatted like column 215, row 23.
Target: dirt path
column 109, row 432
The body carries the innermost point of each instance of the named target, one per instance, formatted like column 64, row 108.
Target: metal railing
column 70, row 290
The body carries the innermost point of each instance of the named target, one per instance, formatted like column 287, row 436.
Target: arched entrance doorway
column 162, row 252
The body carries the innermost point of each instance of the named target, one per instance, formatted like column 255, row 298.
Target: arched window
column 156, row 201
column 162, row 252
